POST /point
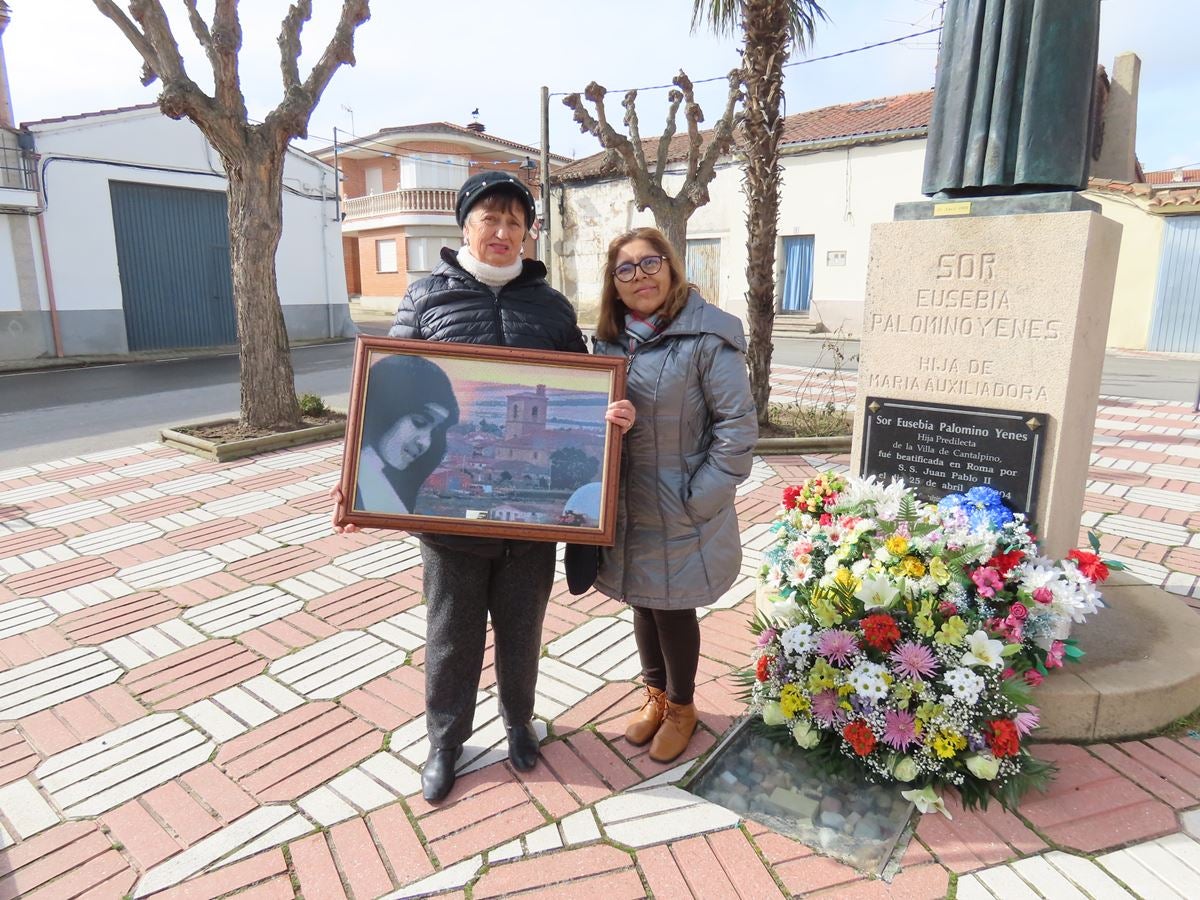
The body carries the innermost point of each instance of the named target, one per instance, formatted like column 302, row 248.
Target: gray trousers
column 461, row 591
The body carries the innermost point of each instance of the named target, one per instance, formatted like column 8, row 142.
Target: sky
column 439, row 61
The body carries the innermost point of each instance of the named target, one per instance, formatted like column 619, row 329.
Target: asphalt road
column 53, row 413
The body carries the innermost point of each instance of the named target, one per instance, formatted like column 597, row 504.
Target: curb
column 791, row 446
column 223, row 452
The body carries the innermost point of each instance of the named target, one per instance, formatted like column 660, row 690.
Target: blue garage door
column 173, row 254
column 1175, row 327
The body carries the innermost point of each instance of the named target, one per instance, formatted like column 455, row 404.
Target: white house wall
column 82, row 240
column 834, row 195
column 24, row 313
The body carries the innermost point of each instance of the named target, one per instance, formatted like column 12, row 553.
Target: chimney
column 1177, row 176
column 6, row 112
column 476, row 127
column 1118, row 159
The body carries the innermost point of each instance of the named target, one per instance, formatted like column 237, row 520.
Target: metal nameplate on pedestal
column 940, row 449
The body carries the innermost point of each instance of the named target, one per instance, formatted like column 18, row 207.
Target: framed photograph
column 479, row 440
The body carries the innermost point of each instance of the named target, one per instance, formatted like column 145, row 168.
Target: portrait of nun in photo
column 410, row 405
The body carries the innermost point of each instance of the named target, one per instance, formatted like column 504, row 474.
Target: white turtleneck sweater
column 495, row 277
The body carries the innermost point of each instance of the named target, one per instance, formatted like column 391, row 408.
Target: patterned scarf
column 638, row 330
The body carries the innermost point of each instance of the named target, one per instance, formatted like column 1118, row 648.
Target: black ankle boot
column 437, row 775
column 522, row 746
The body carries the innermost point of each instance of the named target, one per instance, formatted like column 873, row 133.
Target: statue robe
column 1013, row 97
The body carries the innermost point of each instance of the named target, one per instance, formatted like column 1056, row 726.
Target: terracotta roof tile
column 862, row 121
column 1168, row 176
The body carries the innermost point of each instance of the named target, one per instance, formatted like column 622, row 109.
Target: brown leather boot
column 677, row 727
column 645, row 721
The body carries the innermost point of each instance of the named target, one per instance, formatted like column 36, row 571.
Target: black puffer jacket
column 451, row 305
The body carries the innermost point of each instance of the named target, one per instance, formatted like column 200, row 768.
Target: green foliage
column 725, row 17
column 311, row 405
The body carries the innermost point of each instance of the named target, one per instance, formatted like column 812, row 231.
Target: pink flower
column 947, row 609
column 1054, row 656
column 1019, row 612
column 1033, row 677
column 1027, row 721
column 837, row 646
column 1013, row 628
column 899, row 729
column 1044, row 596
column 987, row 581
column 765, row 638
column 913, row 660
column 826, row 708
column 1008, row 673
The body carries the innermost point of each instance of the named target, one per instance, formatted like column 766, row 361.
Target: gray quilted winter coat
column 678, row 544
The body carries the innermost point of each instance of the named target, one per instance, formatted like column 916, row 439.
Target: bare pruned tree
column 628, row 152
column 253, row 156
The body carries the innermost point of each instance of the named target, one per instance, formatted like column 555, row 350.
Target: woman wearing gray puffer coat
column 678, row 545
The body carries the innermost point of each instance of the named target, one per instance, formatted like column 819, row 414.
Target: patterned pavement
column 203, row 691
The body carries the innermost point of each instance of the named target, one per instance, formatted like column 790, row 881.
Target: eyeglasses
column 648, row 264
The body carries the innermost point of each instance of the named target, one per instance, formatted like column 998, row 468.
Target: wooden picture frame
column 500, row 442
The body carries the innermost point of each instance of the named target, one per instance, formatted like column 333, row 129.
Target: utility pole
column 544, row 234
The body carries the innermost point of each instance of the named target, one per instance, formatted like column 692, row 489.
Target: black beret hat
column 475, row 187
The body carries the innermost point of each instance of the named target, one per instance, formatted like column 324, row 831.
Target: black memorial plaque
column 939, row 449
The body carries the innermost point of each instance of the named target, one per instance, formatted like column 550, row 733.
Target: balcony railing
column 411, row 200
column 16, row 164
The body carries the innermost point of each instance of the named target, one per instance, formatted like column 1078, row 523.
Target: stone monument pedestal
column 996, row 304
column 1140, row 671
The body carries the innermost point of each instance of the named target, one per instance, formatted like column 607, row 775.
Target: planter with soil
column 226, row 439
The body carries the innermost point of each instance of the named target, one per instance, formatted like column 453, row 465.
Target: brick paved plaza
column 204, row 691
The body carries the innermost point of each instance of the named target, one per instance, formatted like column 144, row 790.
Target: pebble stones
column 772, row 783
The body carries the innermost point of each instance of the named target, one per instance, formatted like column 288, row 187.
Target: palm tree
column 768, row 28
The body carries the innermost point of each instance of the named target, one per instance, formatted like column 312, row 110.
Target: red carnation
column 1002, row 738
column 881, row 632
column 1006, row 562
column 859, row 735
column 790, row 495
column 1092, row 566
column 826, row 519
column 760, row 670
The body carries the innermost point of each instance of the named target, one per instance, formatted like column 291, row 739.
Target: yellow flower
column 924, row 619
column 845, row 578
column 913, row 567
column 927, row 711
column 953, row 632
column 946, row 743
column 939, row 571
column 896, row 544
column 820, row 677
column 821, row 604
column 792, row 700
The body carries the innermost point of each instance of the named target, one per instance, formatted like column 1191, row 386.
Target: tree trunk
column 255, row 224
column 765, row 26
column 672, row 221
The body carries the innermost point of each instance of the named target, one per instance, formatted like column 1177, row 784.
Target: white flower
column 868, row 681
column 905, row 769
column 860, row 567
column 772, row 713
column 926, row 799
column 965, row 684
column 805, row 735
column 983, row 765
column 785, row 609
column 798, row 640
column 877, row 592
column 983, row 651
